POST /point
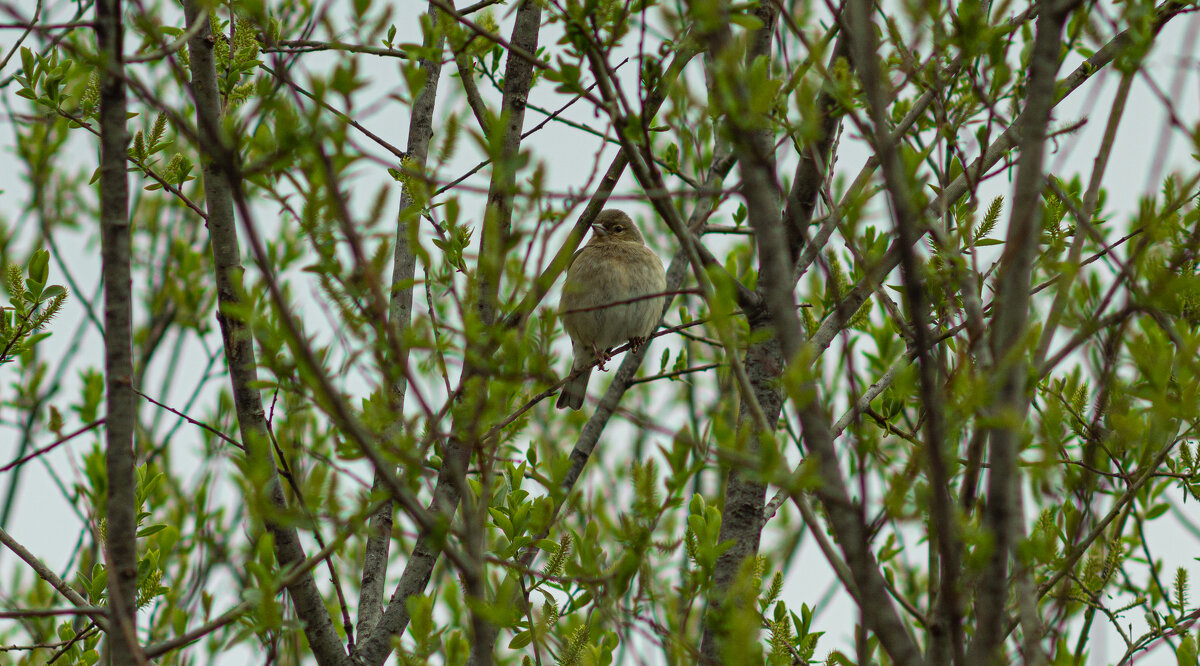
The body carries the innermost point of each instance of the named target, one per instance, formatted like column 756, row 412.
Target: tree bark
column 420, row 132
column 120, row 542
column 745, row 491
column 946, row 639
column 217, row 159
column 1009, row 322
column 457, row 454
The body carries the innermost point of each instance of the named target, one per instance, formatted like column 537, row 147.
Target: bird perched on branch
column 614, row 293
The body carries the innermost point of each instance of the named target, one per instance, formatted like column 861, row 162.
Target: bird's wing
column 575, row 256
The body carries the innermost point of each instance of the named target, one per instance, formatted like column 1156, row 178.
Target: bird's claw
column 603, row 357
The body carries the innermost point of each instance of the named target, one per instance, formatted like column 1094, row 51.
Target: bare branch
column 420, row 132
column 48, row 575
column 996, row 151
column 219, row 190
column 946, row 631
column 120, row 542
column 51, row 446
column 1009, row 320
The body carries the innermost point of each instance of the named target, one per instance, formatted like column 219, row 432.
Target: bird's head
column 614, row 225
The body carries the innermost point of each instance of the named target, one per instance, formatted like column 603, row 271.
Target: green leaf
column 39, row 266
column 65, row 631
column 520, row 640
column 27, row 60
column 34, row 288
column 1187, row 654
column 746, row 21
column 152, row 529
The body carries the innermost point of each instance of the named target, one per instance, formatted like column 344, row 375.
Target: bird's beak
column 599, row 230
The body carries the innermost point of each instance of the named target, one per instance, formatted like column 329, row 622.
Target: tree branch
column 1009, row 321
column 420, row 132
column 48, row 575
column 239, row 346
column 120, row 541
column 753, row 143
column 853, row 300
column 448, row 490
column 946, row 631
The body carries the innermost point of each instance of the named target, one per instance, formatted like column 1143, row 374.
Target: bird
column 614, row 292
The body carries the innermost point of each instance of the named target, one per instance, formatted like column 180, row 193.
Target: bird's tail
column 574, row 390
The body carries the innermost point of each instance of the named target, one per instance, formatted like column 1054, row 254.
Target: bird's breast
column 603, row 302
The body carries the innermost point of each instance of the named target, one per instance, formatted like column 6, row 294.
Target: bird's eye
column 618, row 228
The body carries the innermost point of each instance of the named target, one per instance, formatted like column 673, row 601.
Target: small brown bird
column 604, row 301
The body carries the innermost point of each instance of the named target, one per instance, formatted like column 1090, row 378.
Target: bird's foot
column 603, row 356
column 636, row 343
